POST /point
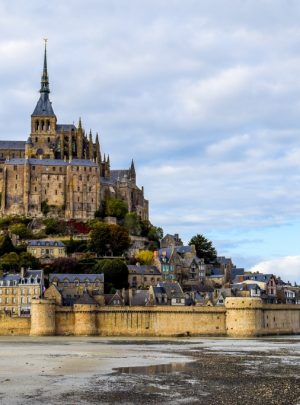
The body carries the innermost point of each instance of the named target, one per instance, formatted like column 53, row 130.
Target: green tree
column 10, row 262
column 116, row 207
column 119, row 240
column 204, row 248
column 132, row 223
column 6, row 245
column 108, row 239
column 27, row 260
column 64, row 265
column 99, row 239
column 20, row 230
column 115, row 274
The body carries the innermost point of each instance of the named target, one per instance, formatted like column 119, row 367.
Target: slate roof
column 109, row 298
column 224, row 260
column 170, row 250
column 143, row 270
column 65, row 127
column 215, row 272
column 173, row 290
column 116, row 175
column 43, row 107
column 86, row 299
column 51, row 243
column 9, row 277
column 236, row 272
column 183, row 249
column 52, row 162
column 140, row 298
column 14, row 145
column 259, row 277
column 72, row 277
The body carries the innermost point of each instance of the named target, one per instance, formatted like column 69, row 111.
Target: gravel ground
column 191, row 371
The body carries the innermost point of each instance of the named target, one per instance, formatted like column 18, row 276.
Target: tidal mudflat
column 69, row 370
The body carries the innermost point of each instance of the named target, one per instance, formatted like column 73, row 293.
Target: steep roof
column 51, row 243
column 13, row 145
column 65, row 127
column 143, row 270
column 72, row 277
column 86, row 299
column 43, row 107
column 51, row 162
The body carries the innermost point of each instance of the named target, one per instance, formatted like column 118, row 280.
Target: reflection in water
column 153, row 370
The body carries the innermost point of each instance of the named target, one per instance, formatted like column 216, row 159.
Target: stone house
column 171, row 241
column 73, row 286
column 167, row 293
column 141, row 276
column 46, row 249
column 115, row 299
column 18, row 290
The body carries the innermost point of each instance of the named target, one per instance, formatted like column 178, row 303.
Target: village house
column 46, row 250
column 171, row 241
column 72, row 286
column 166, row 293
column 143, row 276
column 18, row 290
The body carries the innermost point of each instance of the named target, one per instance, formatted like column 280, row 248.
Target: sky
column 203, row 95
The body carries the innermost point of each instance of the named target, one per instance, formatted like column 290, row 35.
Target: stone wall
column 241, row 317
column 14, row 326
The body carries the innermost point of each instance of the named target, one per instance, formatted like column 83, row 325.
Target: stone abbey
column 61, row 166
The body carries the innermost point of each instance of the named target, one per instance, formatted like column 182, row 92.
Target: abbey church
column 61, row 166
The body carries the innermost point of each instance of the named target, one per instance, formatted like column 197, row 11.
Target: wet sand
column 68, row 370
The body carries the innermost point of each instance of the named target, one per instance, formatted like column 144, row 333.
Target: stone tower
column 43, row 119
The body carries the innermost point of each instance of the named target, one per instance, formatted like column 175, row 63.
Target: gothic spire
column 132, row 168
column 44, row 106
column 45, row 78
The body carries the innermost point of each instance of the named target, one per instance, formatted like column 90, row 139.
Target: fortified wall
column 241, row 317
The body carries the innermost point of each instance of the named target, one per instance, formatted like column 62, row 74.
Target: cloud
column 288, row 268
column 203, row 96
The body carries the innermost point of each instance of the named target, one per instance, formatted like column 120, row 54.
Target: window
column 0, row 291
column 16, row 177
column 6, row 291
column 54, row 168
column 6, row 300
column 15, row 167
column 13, row 300
column 33, row 167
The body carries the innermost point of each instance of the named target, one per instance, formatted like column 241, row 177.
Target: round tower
column 42, row 317
column 85, row 320
column 243, row 316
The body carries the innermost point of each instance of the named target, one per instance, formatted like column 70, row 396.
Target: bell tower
column 43, row 119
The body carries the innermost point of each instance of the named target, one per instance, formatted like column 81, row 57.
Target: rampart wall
column 240, row 317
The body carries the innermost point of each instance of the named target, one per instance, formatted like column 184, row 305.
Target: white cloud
column 203, row 96
column 288, row 268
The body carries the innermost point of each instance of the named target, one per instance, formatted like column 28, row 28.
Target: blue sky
column 205, row 96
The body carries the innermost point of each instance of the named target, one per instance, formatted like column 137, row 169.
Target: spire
column 79, row 123
column 45, row 78
column 132, row 168
column 44, row 107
